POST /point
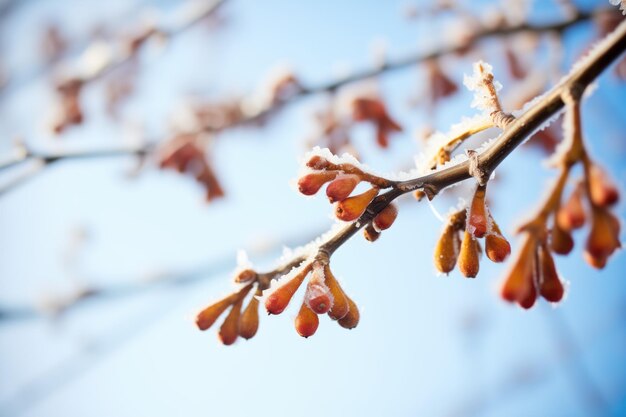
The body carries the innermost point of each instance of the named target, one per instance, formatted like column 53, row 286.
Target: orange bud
column 278, row 300
column 386, row 217
column 477, row 220
column 469, row 256
column 519, row 282
column 207, row 317
column 419, row 194
column 370, row 233
column 447, row 249
column 561, row 241
column 317, row 162
column 603, row 238
column 350, row 320
column 596, row 262
column 306, row 321
column 603, row 191
column 571, row 215
column 340, row 300
column 249, row 321
column 311, row 183
column 341, row 187
column 230, row 328
column 497, row 247
column 550, row 287
column 529, row 300
column 352, row 207
column 245, row 276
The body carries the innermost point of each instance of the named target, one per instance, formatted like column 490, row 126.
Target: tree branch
column 511, row 137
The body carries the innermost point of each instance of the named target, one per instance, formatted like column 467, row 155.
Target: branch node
column 501, row 119
column 475, row 169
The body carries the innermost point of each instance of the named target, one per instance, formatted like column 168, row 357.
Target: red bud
column 571, row 215
column 550, row 287
column 370, row 233
column 311, row 183
column 497, row 247
column 477, row 220
column 318, row 298
column 317, row 162
column 603, row 238
column 341, row 187
column 519, row 282
column 306, row 321
column 350, row 320
column 603, row 191
column 561, row 241
column 529, row 300
column 386, row 217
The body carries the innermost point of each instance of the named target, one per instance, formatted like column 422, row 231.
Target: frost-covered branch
column 533, row 272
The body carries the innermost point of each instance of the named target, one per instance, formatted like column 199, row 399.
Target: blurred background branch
column 260, row 114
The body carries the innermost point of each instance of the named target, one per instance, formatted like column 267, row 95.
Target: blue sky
column 426, row 344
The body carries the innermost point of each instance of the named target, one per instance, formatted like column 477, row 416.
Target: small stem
column 443, row 155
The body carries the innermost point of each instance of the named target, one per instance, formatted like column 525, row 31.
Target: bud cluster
column 590, row 201
column 342, row 180
column 532, row 274
column 458, row 244
column 323, row 295
column 236, row 323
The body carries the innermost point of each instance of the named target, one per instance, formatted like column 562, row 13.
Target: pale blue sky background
column 426, row 345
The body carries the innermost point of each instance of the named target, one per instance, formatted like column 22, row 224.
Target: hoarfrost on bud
column 318, row 297
column 284, row 279
column 243, row 262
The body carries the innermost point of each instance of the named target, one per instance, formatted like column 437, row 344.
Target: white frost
column 483, row 99
column 621, row 4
